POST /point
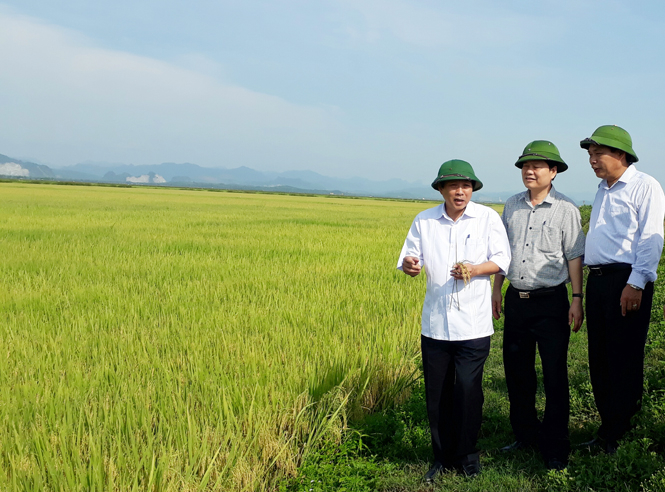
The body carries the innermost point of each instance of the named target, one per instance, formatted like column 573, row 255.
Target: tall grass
column 157, row 339
column 391, row 450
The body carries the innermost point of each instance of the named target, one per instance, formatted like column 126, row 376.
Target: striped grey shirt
column 542, row 239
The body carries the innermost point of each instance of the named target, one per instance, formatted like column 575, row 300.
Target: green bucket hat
column 542, row 150
column 612, row 136
column 456, row 170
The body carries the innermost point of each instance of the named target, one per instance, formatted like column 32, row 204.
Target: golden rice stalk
column 466, row 274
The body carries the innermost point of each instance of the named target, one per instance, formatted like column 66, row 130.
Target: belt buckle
column 596, row 271
column 524, row 295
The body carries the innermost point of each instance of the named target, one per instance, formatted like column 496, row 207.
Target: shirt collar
column 548, row 199
column 550, row 196
column 470, row 211
column 627, row 175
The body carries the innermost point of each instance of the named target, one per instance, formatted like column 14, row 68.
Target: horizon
column 366, row 88
column 142, row 170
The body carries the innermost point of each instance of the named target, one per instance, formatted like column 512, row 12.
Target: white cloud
column 145, row 178
column 65, row 99
column 13, row 169
column 201, row 64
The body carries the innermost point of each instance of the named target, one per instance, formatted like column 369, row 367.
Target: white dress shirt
column 453, row 311
column 626, row 225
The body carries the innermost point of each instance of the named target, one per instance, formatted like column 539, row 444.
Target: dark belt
column 545, row 291
column 608, row 269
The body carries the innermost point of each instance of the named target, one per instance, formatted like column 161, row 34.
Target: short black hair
column 551, row 164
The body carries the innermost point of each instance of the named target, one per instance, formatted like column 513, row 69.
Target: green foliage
column 396, row 443
column 585, row 212
column 185, row 340
column 655, row 483
column 165, row 339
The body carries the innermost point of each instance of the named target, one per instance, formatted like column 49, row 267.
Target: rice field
column 165, row 339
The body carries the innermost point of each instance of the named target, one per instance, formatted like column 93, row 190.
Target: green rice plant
column 396, row 448
column 163, row 339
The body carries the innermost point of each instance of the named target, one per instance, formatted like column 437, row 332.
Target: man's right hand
column 410, row 265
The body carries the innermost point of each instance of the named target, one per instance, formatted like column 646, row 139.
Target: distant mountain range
column 187, row 174
column 192, row 175
column 241, row 178
column 20, row 169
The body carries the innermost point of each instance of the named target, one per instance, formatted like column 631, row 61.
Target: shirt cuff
column 502, row 263
column 574, row 255
column 637, row 279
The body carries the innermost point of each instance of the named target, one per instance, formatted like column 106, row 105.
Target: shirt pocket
column 475, row 251
column 549, row 240
column 622, row 215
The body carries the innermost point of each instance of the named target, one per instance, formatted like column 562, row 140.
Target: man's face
column 605, row 163
column 537, row 175
column 456, row 194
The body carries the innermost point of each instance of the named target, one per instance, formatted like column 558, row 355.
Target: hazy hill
column 188, row 174
column 17, row 168
column 304, row 181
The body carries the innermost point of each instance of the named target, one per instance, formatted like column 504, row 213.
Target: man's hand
column 496, row 303
column 457, row 272
column 631, row 300
column 576, row 314
column 410, row 265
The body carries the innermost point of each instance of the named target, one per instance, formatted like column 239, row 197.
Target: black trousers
column 540, row 322
column 454, row 394
column 616, row 351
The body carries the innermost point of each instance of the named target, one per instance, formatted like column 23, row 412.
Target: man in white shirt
column 459, row 244
column 623, row 248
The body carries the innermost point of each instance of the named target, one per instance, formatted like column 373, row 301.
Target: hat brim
column 560, row 165
column 476, row 183
column 631, row 156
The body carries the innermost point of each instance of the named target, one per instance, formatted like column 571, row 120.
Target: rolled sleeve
column 573, row 235
column 412, row 244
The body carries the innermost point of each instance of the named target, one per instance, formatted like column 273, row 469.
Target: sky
column 367, row 88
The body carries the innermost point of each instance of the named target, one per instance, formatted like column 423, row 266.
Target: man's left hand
column 631, row 300
column 484, row 269
column 457, row 274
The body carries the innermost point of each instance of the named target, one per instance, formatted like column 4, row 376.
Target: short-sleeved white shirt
column 453, row 311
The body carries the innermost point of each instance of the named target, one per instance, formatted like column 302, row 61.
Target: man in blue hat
column 459, row 244
column 623, row 249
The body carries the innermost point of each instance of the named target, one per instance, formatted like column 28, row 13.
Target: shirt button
column 530, row 227
column 527, row 244
column 523, row 261
column 521, row 278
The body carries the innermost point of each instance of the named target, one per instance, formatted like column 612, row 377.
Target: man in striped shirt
column 547, row 244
